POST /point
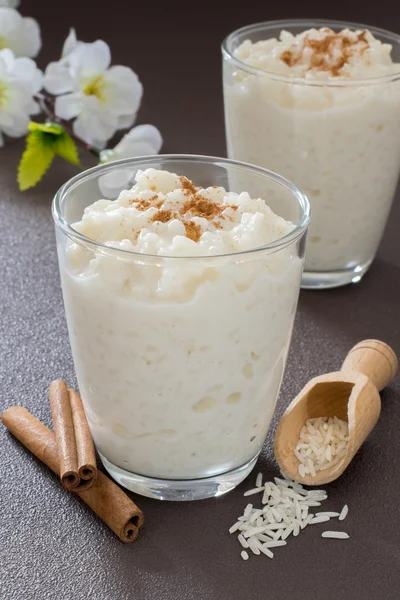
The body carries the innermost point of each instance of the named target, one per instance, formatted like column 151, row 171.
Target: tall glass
column 338, row 140
column 179, row 360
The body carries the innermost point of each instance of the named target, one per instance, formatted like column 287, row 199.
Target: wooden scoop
column 351, row 394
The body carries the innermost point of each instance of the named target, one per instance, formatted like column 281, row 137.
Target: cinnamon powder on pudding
column 193, row 231
column 187, row 185
column 146, row 204
column 196, row 205
column 331, row 53
column 163, row 216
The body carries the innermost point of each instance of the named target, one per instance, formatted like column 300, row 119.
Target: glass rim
column 228, row 55
column 271, row 247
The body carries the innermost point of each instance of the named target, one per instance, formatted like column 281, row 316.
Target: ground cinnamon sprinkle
column 193, row 231
column 199, row 206
column 163, row 216
column 187, row 185
column 330, row 54
column 152, row 202
column 196, row 205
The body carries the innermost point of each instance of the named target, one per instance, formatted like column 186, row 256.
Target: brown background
column 52, row 547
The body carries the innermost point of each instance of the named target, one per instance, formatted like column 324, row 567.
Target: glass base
column 179, row 490
column 322, row 280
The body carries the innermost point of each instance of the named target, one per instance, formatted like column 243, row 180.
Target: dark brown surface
column 52, row 547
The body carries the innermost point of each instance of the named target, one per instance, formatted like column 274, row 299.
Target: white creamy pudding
column 322, row 108
column 179, row 360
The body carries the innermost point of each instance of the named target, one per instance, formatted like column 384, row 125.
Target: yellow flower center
column 3, row 94
column 96, row 87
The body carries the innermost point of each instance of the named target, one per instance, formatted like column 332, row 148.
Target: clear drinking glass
column 179, row 360
column 338, row 140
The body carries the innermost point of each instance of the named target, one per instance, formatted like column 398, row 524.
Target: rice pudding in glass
column 319, row 103
column 180, row 298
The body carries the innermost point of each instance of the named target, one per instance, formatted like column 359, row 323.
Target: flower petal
column 25, row 69
column 10, row 22
column 7, row 61
column 123, row 92
column 19, row 125
column 95, row 127
column 34, row 108
column 6, row 119
column 90, row 60
column 70, row 43
column 112, row 184
column 57, row 79
column 30, row 41
column 68, row 106
column 9, row 3
column 126, row 121
column 141, row 148
column 142, row 134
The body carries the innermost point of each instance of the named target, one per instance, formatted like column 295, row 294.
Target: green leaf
column 65, row 147
column 36, row 159
column 44, row 142
column 51, row 128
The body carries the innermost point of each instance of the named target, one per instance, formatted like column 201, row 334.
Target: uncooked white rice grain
column 277, row 514
column 265, row 537
column 340, row 535
column 255, row 515
column 267, row 551
column 244, row 555
column 306, row 521
column 287, row 532
column 253, row 530
column 248, row 510
column 235, row 527
column 265, row 496
column 259, row 480
column 256, row 490
column 254, row 545
column 298, row 510
column 327, row 514
column 317, row 493
column 344, row 513
column 316, row 520
column 283, row 482
column 242, row 541
column 272, row 526
column 274, row 544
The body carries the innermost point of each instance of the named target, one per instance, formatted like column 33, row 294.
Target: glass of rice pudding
column 319, row 103
column 180, row 295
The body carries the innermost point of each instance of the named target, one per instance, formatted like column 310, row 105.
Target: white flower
column 70, row 44
column 19, row 34
column 20, row 79
column 142, row 140
column 139, row 141
column 9, row 3
column 102, row 99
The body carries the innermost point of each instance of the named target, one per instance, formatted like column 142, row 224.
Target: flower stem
column 47, row 103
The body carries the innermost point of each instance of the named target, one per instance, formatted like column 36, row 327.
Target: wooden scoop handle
column 374, row 359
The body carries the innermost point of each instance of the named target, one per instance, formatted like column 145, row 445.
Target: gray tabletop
column 52, row 547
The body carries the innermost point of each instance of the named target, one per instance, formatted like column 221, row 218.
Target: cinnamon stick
column 87, row 469
column 104, row 497
column 75, row 446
